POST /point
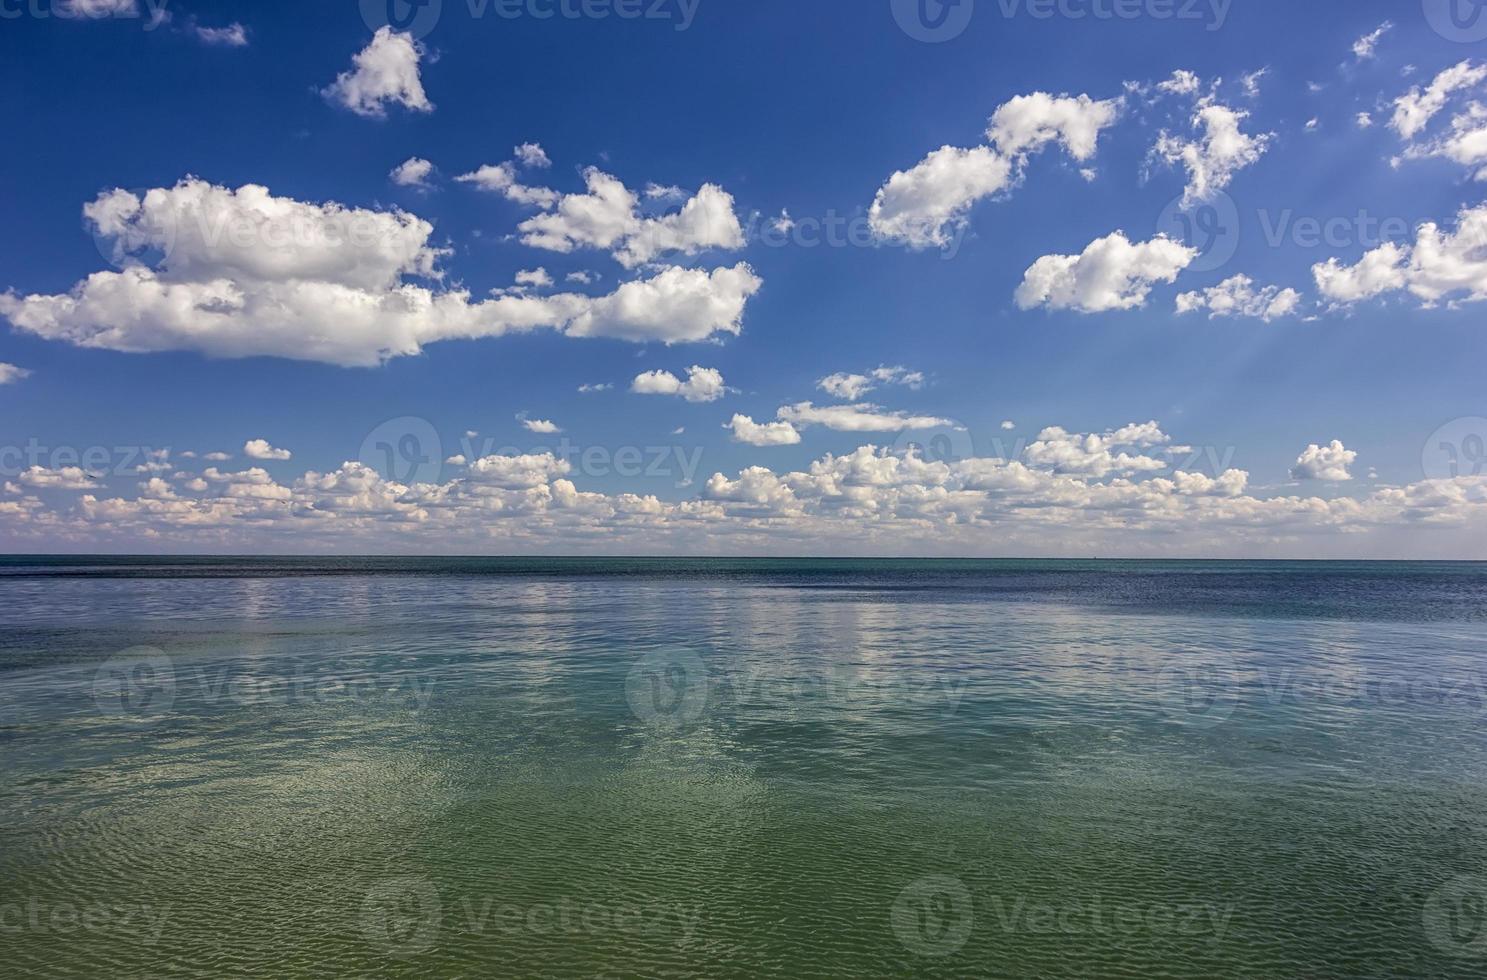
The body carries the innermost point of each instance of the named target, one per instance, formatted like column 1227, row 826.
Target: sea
column 535, row 767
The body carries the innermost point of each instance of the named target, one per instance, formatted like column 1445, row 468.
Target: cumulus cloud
column 1217, row 152
column 859, row 417
column 1414, row 110
column 1237, row 296
column 384, row 73
column 702, row 384
column 412, row 172
column 852, row 387
column 1112, row 273
column 59, row 478
column 607, row 216
column 1182, row 82
column 927, row 205
column 1028, row 123
column 752, row 433
column 503, row 178
column 9, row 374
column 532, row 155
column 867, row 501
column 1330, row 463
column 1097, row 455
column 260, row 449
column 1440, row 265
column 242, row 273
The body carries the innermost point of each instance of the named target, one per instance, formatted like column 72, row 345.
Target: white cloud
column 532, row 155
column 1330, row 463
column 9, row 373
column 607, row 217
column 384, row 73
column 752, row 433
column 412, row 172
column 1237, row 296
column 502, row 179
column 1111, row 274
column 260, row 449
column 1414, row 110
column 1090, row 455
column 543, row 427
column 234, row 35
column 927, row 205
column 94, row 9
column 702, row 384
column 1365, row 47
column 851, row 387
column 1465, row 144
column 1213, row 158
column 1182, row 82
column 868, row 501
column 1440, row 265
column 60, row 478
column 858, row 417
column 537, row 278
column 1251, row 82
column 247, row 274
column 1028, row 123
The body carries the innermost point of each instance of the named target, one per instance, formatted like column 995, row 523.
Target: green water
column 358, row 768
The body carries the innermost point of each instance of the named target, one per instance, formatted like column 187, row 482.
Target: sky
column 1186, row 278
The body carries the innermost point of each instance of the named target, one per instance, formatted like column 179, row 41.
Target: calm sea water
column 383, row 767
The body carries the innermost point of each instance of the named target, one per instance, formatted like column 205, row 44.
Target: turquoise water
column 387, row 767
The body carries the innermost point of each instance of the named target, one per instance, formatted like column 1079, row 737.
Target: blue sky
column 805, row 110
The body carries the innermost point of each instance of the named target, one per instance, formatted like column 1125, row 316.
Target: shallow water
column 559, row 768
